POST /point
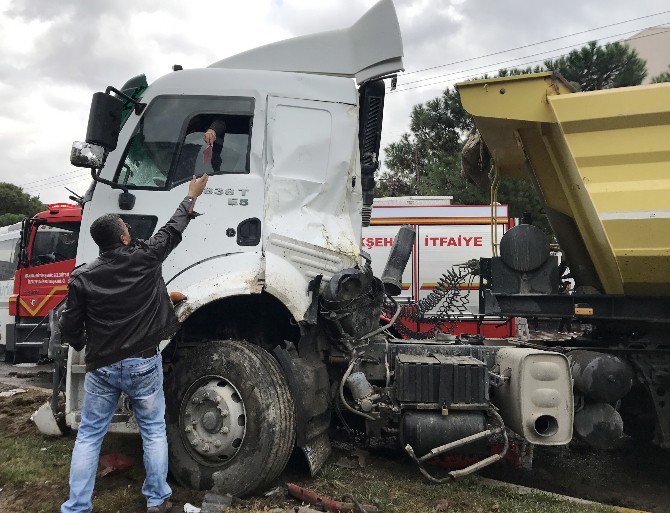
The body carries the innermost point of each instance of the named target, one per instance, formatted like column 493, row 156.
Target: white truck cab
column 283, row 200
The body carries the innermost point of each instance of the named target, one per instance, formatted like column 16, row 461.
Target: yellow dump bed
column 601, row 162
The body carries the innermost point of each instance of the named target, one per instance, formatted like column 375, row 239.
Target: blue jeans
column 142, row 380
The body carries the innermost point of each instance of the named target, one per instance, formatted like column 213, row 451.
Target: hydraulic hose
column 354, row 357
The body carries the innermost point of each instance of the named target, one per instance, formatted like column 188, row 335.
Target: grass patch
column 36, row 480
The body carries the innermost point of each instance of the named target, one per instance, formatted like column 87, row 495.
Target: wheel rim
column 213, row 420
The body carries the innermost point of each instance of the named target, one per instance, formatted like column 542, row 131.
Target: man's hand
column 195, row 188
column 210, row 136
column 197, row 185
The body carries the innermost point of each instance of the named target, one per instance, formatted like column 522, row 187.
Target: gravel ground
column 26, row 374
column 634, row 475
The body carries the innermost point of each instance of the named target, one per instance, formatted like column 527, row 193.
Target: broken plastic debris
column 358, row 459
column 275, row 491
column 13, row 391
column 362, row 456
column 215, row 503
column 190, row 508
column 114, row 462
column 45, row 421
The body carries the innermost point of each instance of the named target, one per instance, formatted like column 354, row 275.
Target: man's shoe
column 166, row 506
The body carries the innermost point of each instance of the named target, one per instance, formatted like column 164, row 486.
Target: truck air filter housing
column 524, row 248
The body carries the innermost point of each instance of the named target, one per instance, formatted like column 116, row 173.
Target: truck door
column 313, row 198
column 165, row 149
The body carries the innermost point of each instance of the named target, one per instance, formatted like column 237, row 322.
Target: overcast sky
column 55, row 53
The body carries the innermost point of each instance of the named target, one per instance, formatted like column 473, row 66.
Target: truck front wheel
column 230, row 417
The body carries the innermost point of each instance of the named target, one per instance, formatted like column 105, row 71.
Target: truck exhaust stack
column 395, row 265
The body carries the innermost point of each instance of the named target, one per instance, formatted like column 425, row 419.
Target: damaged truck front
column 280, row 337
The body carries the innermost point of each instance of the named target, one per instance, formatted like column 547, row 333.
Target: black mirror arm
column 96, row 176
column 126, row 199
column 139, row 106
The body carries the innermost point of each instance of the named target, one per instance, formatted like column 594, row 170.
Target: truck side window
column 229, row 153
column 54, row 243
column 8, row 258
column 167, row 147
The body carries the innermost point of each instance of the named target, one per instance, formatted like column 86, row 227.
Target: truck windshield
column 54, row 243
column 168, row 145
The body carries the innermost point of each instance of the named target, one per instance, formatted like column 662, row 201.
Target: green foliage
column 7, row 219
column 16, row 204
column 663, row 77
column 426, row 160
column 594, row 67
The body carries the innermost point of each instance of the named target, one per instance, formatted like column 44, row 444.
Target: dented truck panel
column 227, row 275
column 312, row 196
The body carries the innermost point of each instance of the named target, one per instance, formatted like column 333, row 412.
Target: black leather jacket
column 118, row 305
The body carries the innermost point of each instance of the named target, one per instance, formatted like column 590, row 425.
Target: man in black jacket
column 118, row 309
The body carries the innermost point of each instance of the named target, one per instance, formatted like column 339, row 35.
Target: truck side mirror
column 88, row 155
column 104, row 121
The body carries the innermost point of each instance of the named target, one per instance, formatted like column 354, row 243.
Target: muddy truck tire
column 230, row 417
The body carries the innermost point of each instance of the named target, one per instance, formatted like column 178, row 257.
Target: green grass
column 35, row 480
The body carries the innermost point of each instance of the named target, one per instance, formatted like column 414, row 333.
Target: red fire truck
column 44, row 255
column 446, row 235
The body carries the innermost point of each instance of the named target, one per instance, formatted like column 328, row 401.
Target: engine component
column 362, row 390
column 454, row 474
column 524, row 265
column 445, row 381
column 359, row 386
column 505, row 280
column 427, row 430
column 600, row 377
column 397, row 261
column 599, row 425
column 536, row 401
column 351, row 304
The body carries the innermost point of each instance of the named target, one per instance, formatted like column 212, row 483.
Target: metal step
column 29, row 344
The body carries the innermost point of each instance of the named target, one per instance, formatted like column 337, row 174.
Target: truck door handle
column 249, row 232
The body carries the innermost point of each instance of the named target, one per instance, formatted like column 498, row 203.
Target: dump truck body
column 600, row 163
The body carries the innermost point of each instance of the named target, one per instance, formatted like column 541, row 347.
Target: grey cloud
column 302, row 22
column 65, row 52
column 177, row 43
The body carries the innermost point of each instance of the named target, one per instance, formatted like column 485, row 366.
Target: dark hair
column 106, row 230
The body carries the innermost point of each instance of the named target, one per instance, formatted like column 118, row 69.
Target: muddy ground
column 34, row 471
